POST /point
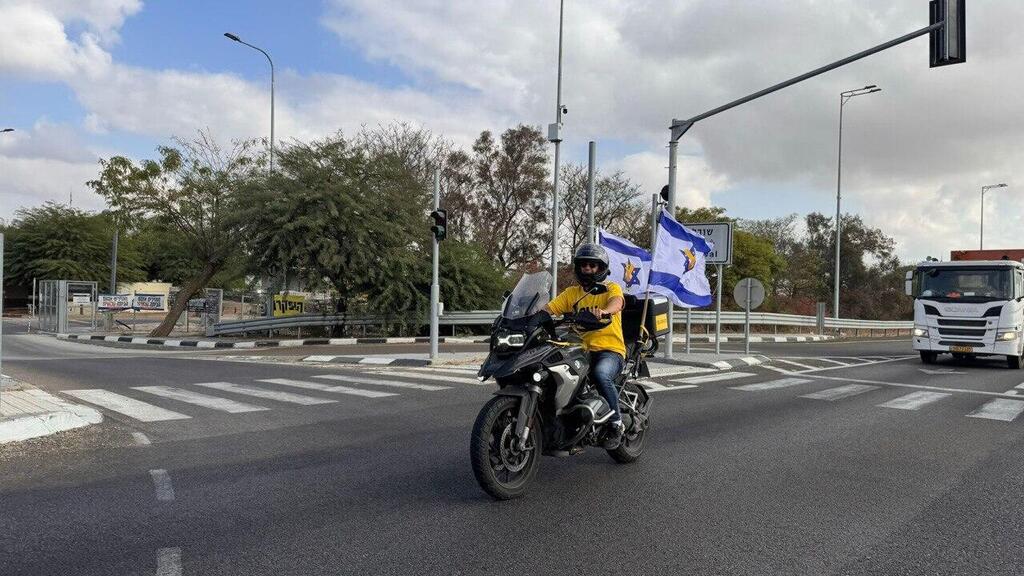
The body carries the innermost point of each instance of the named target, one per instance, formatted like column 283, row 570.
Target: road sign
column 754, row 288
column 720, row 234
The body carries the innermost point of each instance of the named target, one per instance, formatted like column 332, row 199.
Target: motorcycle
column 545, row 403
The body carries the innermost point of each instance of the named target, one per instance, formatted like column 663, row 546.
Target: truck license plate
column 966, row 349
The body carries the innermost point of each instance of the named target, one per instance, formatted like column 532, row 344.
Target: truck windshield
column 966, row 284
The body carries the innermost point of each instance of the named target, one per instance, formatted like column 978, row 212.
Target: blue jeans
column 605, row 366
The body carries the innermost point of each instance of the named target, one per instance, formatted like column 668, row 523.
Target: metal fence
column 486, row 317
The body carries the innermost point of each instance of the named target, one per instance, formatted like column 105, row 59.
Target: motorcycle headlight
column 510, row 340
column 920, row 331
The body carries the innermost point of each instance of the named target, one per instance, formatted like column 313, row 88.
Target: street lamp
column 231, row 36
column 555, row 136
column 844, row 97
column 981, row 234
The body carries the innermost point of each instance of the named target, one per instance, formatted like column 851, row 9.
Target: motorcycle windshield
column 531, row 295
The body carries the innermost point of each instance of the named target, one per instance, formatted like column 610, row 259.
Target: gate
column 67, row 306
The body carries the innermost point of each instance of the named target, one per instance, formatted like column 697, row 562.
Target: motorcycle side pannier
column 657, row 317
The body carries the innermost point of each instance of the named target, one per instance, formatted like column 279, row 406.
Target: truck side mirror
column 908, row 284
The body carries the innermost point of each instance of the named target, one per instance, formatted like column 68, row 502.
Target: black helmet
column 590, row 253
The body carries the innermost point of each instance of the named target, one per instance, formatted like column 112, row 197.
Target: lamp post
column 555, row 136
column 240, row 41
column 844, row 97
column 981, row 233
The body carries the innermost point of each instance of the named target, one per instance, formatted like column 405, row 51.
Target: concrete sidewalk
column 27, row 412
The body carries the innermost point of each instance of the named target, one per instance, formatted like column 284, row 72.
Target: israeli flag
column 678, row 267
column 628, row 264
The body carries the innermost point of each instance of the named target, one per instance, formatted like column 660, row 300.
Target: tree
column 54, row 241
column 199, row 190
column 617, row 206
column 512, row 195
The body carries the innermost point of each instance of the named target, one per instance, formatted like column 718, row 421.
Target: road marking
column 914, row 400
column 162, row 482
column 328, row 388
column 125, row 405
column 434, row 377
column 653, row 387
column 804, row 366
column 168, row 562
column 772, row 384
column 392, row 383
column 268, row 394
column 141, row 439
column 1019, row 386
column 839, row 392
column 783, row 371
column 999, row 409
column 905, row 385
column 374, row 360
column 204, row 400
column 940, row 372
column 714, row 377
column 831, row 361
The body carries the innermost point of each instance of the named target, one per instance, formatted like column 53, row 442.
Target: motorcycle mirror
column 597, row 289
column 506, row 294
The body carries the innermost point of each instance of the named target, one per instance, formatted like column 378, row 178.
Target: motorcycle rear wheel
column 632, row 446
column 501, row 469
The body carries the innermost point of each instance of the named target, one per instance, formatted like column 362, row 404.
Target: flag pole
column 654, row 241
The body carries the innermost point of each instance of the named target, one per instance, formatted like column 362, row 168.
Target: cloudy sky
column 85, row 79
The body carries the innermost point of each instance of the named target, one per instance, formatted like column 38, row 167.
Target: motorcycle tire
column 501, row 470
column 632, row 446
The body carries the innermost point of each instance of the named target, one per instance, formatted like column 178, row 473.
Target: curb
column 727, row 364
column 218, row 344
column 368, row 360
column 68, row 417
column 813, row 338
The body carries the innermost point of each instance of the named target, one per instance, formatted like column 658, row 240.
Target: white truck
column 968, row 308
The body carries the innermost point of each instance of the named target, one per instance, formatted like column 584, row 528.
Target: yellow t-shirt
column 608, row 338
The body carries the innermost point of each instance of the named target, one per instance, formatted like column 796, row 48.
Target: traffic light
column 948, row 43
column 440, row 227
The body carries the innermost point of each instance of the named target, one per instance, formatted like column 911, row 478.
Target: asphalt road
column 836, row 458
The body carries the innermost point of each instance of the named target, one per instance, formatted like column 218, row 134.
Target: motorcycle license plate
column 965, row 349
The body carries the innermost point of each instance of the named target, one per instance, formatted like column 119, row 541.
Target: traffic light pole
column 435, row 288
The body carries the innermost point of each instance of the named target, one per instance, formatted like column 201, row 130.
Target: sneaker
column 615, row 431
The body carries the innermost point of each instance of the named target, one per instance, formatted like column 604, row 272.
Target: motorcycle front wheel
column 501, row 468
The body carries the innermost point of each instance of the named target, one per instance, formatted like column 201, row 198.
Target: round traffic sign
column 754, row 288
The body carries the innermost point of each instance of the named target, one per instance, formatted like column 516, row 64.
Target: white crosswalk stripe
column 714, row 377
column 914, row 400
column 328, row 388
column 436, row 377
column 839, row 392
column 268, row 394
column 204, row 400
column 772, row 384
column 999, row 409
column 391, row 383
column 798, row 364
column 127, row 406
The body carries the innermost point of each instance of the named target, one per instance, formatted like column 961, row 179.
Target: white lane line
column 914, row 400
column 999, row 409
column 772, row 384
column 162, row 482
column 391, row 383
column 141, row 439
column 268, row 394
column 779, row 370
column 168, row 562
column 651, row 386
column 661, row 388
column 831, row 361
column 1020, row 386
column 852, row 366
column 328, row 388
column 839, row 392
column 125, row 405
column 204, row 400
column 714, row 377
column 435, row 377
column 804, row 366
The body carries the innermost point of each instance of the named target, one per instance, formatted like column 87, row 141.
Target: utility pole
column 435, row 288
column 555, row 136
column 591, row 231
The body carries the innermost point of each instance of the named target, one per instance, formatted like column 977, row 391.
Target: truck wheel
column 1015, row 362
column 929, row 357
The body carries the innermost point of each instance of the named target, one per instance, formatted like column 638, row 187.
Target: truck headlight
column 921, row 332
column 1007, row 336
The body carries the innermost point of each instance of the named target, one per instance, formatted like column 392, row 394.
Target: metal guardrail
column 485, row 317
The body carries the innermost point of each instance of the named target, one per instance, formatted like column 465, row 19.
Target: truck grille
column 961, row 332
column 952, row 322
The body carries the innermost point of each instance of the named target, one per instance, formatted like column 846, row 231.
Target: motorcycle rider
column 606, row 346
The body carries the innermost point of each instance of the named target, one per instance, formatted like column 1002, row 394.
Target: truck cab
column 968, row 308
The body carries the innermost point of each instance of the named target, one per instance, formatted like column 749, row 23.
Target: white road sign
column 719, row 233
